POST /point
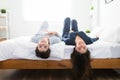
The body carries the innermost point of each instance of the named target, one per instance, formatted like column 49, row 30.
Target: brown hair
column 81, row 65
column 44, row 55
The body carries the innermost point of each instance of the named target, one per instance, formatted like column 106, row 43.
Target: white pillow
column 117, row 35
column 110, row 34
column 96, row 32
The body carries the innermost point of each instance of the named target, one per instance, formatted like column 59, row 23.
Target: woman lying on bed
column 80, row 56
column 45, row 38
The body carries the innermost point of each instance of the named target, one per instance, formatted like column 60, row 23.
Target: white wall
column 80, row 11
column 110, row 14
column 94, row 13
column 19, row 27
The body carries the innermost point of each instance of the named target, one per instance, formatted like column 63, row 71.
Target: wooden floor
column 106, row 74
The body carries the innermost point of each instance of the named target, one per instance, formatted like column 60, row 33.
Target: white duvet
column 23, row 48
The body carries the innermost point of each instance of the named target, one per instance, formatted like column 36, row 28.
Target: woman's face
column 43, row 45
column 80, row 45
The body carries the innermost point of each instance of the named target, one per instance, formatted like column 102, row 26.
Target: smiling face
column 80, row 45
column 43, row 45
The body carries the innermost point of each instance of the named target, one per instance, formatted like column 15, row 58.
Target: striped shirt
column 53, row 38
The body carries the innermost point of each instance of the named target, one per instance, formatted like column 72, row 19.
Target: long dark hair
column 44, row 55
column 81, row 65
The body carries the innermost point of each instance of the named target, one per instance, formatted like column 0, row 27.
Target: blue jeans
column 74, row 25
column 69, row 38
column 87, row 39
column 66, row 28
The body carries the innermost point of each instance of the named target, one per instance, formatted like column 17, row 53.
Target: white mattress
column 99, row 49
column 23, row 48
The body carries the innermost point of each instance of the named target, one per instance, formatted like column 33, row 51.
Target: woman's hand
column 52, row 33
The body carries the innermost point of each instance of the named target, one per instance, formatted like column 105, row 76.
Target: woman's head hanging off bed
column 75, row 37
column 80, row 56
column 44, row 39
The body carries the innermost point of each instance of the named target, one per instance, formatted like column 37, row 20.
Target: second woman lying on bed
column 44, row 39
column 80, row 57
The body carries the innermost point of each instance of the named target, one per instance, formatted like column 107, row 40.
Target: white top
column 53, row 38
column 42, row 32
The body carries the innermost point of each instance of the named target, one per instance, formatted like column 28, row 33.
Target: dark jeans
column 69, row 38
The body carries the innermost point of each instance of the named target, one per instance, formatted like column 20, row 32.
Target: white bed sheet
column 99, row 49
column 23, row 48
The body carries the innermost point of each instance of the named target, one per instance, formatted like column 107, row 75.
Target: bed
column 51, row 64
column 18, row 53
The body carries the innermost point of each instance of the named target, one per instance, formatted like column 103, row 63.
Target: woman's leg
column 66, row 27
column 74, row 25
column 94, row 39
column 86, row 38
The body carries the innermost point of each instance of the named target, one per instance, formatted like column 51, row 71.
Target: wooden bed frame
column 51, row 64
